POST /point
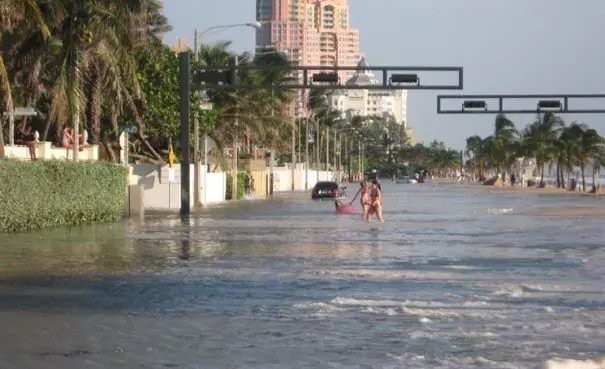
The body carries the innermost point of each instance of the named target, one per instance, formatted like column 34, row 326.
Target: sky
column 504, row 46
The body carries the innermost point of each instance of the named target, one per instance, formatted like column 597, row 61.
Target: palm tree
column 14, row 14
column 503, row 143
column 591, row 145
column 98, row 42
column 539, row 139
column 473, row 150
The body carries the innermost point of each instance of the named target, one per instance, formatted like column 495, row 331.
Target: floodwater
column 455, row 278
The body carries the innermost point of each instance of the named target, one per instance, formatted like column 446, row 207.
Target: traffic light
column 404, row 78
column 474, row 104
column 549, row 104
column 214, row 76
column 325, row 78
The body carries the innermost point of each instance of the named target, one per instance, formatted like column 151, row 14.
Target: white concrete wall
column 214, row 188
column 45, row 150
column 283, row 178
column 162, row 193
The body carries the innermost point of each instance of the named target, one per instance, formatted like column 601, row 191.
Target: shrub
column 54, row 193
column 241, row 180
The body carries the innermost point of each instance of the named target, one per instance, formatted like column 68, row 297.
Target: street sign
column 23, row 112
column 206, row 106
column 171, row 157
column 128, row 129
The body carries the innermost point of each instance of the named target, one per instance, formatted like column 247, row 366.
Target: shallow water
column 452, row 279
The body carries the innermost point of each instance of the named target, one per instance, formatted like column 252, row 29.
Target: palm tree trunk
column 562, row 177
column 1, row 141
column 594, row 179
column 583, row 178
column 94, row 108
column 558, row 178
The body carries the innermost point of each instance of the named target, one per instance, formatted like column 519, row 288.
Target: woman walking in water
column 365, row 198
column 375, row 203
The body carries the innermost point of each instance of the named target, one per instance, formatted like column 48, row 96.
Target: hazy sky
column 505, row 46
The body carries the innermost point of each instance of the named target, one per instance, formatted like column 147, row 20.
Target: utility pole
column 359, row 155
column 335, row 147
column 327, row 150
column 293, row 169
column 346, row 161
column 235, row 144
column 461, row 163
column 340, row 156
column 196, row 137
column 184, row 67
column 293, row 151
column 317, row 149
column 306, row 152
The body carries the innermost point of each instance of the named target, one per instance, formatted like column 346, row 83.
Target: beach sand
column 597, row 211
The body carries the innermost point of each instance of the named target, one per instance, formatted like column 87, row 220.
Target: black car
column 327, row 190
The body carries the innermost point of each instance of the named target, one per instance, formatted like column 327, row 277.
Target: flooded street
column 455, row 278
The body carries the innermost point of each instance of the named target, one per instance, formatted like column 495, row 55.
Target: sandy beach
column 597, row 211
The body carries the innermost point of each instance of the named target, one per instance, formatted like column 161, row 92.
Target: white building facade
column 370, row 102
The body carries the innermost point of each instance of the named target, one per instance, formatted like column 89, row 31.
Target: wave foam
column 574, row 364
column 501, row 211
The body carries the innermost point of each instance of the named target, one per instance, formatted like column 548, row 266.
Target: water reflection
column 185, row 237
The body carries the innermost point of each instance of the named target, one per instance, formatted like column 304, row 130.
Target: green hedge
column 241, row 181
column 54, row 193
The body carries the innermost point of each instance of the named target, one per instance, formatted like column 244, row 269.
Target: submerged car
column 328, row 190
column 406, row 180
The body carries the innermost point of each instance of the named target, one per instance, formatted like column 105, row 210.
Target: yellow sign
column 171, row 156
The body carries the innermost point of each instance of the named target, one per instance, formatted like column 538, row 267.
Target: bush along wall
column 241, row 180
column 55, row 193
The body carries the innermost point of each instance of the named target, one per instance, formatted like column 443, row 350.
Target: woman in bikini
column 375, row 203
column 365, row 198
column 66, row 139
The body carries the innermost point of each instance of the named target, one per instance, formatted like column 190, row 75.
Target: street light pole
column 335, row 150
column 196, row 138
column 340, row 156
column 317, row 149
column 307, row 152
column 327, row 151
column 359, row 155
column 293, row 151
column 235, row 144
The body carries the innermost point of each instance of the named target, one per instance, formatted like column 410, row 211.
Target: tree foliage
column 548, row 140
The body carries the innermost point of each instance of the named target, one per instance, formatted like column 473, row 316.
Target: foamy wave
column 501, row 211
column 423, row 310
column 317, row 306
column 574, row 364
column 383, row 274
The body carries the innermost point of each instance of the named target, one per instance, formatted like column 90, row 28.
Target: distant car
column 327, row 190
column 406, row 180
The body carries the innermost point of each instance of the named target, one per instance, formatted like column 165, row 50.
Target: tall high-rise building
column 311, row 32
